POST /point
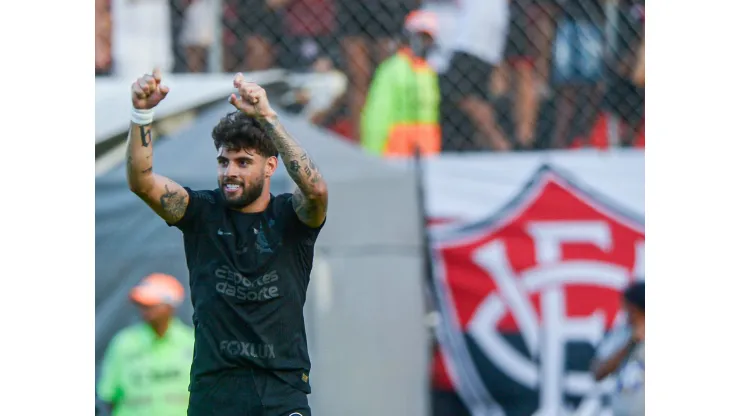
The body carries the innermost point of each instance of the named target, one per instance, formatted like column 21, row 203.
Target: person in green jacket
column 401, row 113
column 146, row 368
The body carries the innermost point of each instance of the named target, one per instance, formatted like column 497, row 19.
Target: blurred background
column 487, row 172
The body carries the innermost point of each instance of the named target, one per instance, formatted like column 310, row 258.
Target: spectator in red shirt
column 309, row 50
column 309, row 17
column 308, row 26
column 257, row 24
column 274, row 30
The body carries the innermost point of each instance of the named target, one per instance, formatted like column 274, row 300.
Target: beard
column 245, row 197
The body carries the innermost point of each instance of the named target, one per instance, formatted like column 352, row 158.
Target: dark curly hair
column 238, row 131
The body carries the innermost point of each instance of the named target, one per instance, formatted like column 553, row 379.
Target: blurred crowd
column 397, row 76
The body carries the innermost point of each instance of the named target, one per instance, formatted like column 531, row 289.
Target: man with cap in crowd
column 146, row 368
column 628, row 362
column 401, row 113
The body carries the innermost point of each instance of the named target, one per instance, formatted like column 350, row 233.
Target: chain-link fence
column 461, row 75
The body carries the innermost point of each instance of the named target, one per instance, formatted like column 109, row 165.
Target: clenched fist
column 147, row 91
column 252, row 99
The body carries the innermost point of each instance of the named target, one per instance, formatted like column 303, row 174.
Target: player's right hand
column 147, row 91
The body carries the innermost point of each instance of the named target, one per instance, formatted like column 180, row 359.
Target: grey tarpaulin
column 365, row 308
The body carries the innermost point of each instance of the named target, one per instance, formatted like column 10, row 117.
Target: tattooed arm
column 311, row 199
column 168, row 199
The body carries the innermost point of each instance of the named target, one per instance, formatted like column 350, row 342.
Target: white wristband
column 142, row 117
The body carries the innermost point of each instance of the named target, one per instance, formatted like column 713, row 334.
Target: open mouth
column 232, row 187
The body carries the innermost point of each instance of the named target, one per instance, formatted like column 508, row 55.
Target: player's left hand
column 251, row 100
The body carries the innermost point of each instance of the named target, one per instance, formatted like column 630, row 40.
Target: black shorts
column 374, row 19
column 467, row 75
column 249, row 393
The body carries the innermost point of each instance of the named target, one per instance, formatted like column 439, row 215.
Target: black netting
column 518, row 74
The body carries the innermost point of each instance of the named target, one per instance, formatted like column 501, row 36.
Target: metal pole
column 215, row 52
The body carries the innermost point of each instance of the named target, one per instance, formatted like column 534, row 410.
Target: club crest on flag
column 527, row 293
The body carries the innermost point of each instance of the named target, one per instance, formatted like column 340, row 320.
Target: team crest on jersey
column 262, row 244
column 527, row 294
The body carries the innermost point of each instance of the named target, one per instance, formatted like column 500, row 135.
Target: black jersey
column 248, row 279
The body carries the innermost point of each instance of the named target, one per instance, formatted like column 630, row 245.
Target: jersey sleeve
column 307, row 235
column 109, row 384
column 198, row 204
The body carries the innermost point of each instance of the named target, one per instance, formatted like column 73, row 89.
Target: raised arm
column 310, row 200
column 168, row 199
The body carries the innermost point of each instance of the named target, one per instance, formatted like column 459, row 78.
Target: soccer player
column 249, row 254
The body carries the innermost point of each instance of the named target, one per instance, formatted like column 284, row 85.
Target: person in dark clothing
column 249, row 254
column 578, row 72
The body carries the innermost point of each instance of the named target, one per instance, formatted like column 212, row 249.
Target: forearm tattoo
column 139, row 161
column 131, row 166
column 146, row 135
column 301, row 167
column 310, row 202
